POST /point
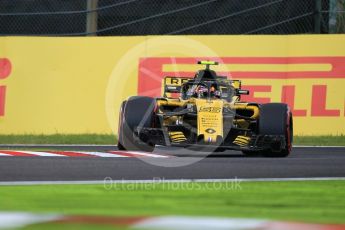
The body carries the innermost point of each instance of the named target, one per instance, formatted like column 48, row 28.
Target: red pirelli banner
column 285, row 73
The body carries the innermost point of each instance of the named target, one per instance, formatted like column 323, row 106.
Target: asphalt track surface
column 308, row 162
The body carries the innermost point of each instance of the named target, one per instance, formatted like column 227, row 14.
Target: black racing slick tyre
column 276, row 119
column 135, row 112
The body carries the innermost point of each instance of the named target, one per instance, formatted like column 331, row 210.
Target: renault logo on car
column 210, row 131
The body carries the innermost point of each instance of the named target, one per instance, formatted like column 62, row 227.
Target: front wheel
column 135, row 112
column 276, row 119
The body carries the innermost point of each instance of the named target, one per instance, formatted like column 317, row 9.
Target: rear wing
column 237, row 84
column 172, row 85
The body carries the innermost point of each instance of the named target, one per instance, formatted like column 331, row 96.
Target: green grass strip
column 320, row 140
column 96, row 139
column 307, row 201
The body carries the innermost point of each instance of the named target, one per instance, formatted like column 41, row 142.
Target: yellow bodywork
column 210, row 119
column 177, row 136
column 242, row 140
column 209, row 113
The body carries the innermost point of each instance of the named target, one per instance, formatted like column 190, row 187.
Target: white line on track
column 185, row 222
column 9, row 220
column 101, row 154
column 108, row 181
column 42, row 154
column 121, row 154
column 135, row 153
column 52, row 145
column 24, row 219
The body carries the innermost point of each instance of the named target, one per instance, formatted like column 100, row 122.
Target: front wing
column 159, row 136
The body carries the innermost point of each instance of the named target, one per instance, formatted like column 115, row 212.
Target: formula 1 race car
column 205, row 113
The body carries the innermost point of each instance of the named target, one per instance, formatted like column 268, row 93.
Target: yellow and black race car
column 208, row 114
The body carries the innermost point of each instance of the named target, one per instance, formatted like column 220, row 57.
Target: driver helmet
column 201, row 91
column 214, row 92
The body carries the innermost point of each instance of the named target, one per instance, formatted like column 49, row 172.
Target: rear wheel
column 276, row 119
column 135, row 112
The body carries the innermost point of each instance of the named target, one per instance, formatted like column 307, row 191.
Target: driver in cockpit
column 201, row 91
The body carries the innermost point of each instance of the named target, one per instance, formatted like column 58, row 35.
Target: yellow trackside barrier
column 76, row 85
